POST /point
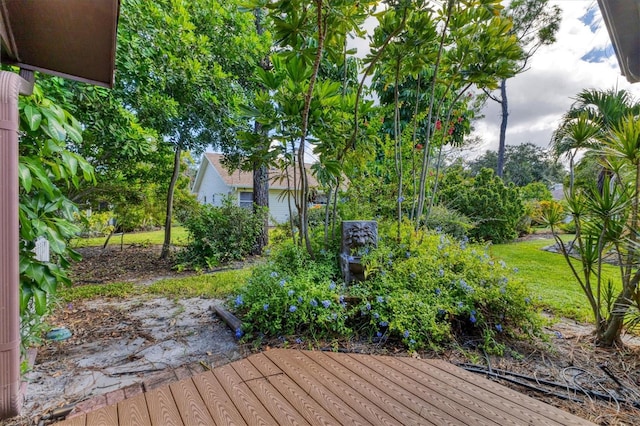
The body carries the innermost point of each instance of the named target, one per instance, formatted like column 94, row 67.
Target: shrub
column 220, row 234
column 449, row 221
column 494, row 207
column 418, row 293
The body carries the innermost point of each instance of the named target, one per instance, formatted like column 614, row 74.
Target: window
column 205, row 199
column 213, row 198
column 246, row 200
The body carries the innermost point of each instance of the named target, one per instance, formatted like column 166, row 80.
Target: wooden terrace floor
column 286, row 387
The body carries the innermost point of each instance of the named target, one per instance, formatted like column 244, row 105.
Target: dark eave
column 69, row 38
column 622, row 18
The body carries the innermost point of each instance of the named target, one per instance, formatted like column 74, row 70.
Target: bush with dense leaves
column 494, row 208
column 420, row 293
column 220, row 234
column 449, row 222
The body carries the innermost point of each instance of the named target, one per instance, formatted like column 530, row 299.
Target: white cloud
column 538, row 97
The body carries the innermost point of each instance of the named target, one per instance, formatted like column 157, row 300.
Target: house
column 214, row 182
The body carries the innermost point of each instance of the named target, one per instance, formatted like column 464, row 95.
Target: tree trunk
column 166, row 245
column 503, row 127
column 261, row 198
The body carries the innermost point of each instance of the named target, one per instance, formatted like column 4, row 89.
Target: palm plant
column 606, row 219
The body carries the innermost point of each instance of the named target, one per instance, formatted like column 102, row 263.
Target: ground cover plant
column 421, row 293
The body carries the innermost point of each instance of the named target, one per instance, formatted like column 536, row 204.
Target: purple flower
column 367, row 306
column 300, row 299
column 558, row 335
column 293, row 308
column 239, row 333
column 239, row 300
column 265, row 307
column 384, row 323
column 400, row 199
column 298, row 340
column 326, row 303
column 378, row 334
column 473, row 319
column 313, row 303
column 406, row 334
column 499, row 328
column 380, row 299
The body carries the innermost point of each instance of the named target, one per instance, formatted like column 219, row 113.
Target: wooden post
column 11, row 85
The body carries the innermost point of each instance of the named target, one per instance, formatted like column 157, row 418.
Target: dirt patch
column 138, row 341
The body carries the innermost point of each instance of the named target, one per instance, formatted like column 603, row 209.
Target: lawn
column 549, row 277
column 179, row 237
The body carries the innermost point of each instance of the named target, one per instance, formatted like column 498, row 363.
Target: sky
column 581, row 58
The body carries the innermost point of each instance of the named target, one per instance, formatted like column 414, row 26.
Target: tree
column 535, row 23
column 180, row 71
column 524, row 164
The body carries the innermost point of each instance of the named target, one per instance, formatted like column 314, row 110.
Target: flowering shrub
column 421, row 293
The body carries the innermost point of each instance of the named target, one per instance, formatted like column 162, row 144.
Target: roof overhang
column 74, row 39
column 622, row 18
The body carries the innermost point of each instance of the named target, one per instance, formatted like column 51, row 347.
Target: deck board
column 134, row 411
column 323, row 388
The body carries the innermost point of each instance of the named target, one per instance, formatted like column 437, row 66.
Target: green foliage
column 220, row 234
column 449, row 222
column 495, row 208
column 46, row 167
column 419, row 293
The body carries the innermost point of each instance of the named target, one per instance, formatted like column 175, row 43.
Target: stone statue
column 358, row 236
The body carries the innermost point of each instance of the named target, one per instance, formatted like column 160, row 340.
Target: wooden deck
column 286, row 387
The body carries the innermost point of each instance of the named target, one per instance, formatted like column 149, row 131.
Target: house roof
column 70, row 38
column 622, row 18
column 243, row 179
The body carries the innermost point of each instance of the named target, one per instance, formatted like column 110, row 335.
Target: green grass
column 549, row 278
column 216, row 285
column 178, row 237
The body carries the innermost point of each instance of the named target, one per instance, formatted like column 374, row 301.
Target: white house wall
column 279, row 206
column 212, row 187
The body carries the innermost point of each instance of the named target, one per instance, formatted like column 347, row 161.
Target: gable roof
column 244, row 179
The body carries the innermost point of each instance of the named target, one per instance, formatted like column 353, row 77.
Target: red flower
column 418, row 146
column 450, row 130
column 438, row 125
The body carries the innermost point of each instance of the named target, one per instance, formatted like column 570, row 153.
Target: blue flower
column 341, row 298
column 473, row 319
column 516, row 270
column 313, row 303
column 265, row 306
column 400, row 199
column 378, row 334
column 293, row 308
column 460, row 304
column 332, row 286
column 300, row 299
column 408, row 254
column 376, row 315
column 298, row 340
column 384, row 323
column 350, row 259
column 441, row 272
column 406, row 334
column 527, row 300
column 441, row 312
column 334, row 316
column 499, row 328
column 473, row 312
column 239, row 300
column 412, row 276
column 438, row 292
column 367, row 306
column 439, row 229
column 326, row 303
column 282, row 282
column 501, row 262
column 274, row 274
column 380, row 299
column 412, row 342
column 291, row 292
column 239, row 333
column 558, row 335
